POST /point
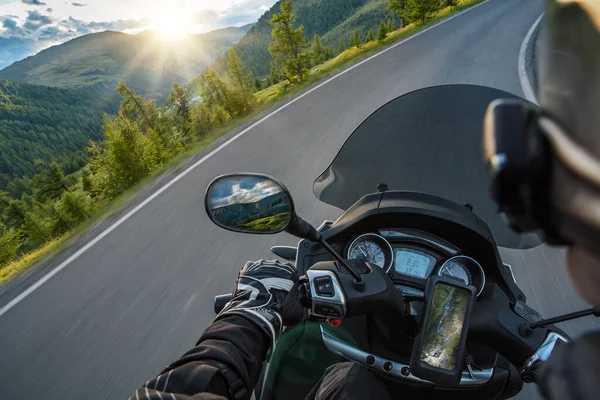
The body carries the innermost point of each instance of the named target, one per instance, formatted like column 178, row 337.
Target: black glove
column 267, row 294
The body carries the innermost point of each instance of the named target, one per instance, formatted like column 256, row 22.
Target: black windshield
column 426, row 141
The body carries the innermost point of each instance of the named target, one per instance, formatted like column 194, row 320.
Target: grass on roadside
column 13, row 269
column 265, row 98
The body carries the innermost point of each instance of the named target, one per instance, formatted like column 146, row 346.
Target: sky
column 29, row 26
column 235, row 191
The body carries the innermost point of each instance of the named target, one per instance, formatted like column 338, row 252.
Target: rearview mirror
column 249, row 203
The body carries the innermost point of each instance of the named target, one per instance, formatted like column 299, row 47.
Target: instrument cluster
column 411, row 257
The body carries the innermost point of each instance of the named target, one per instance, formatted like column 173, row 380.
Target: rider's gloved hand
column 267, row 294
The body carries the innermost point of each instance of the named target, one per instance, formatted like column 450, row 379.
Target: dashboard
column 411, row 257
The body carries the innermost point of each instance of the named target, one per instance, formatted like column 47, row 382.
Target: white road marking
column 525, row 82
column 124, row 218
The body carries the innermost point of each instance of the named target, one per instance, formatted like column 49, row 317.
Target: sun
column 171, row 23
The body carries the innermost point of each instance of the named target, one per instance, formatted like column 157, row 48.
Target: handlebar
column 332, row 294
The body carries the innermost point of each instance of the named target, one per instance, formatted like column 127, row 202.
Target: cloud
column 33, row 2
column 9, row 24
column 49, row 10
column 78, row 5
column 205, row 17
column 41, row 31
column 236, row 191
column 35, row 20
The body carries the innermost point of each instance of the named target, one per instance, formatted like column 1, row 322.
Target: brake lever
column 533, row 365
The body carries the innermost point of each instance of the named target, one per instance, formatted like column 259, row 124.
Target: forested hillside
column 317, row 17
column 38, row 122
column 146, row 62
column 367, row 17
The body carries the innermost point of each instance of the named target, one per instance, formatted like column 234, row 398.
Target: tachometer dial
column 454, row 269
column 466, row 269
column 373, row 249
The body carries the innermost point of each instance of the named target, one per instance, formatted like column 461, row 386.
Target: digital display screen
column 412, row 263
column 444, row 325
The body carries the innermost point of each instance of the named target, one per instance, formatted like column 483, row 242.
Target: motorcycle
column 414, row 189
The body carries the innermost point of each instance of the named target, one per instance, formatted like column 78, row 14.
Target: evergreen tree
column 391, row 25
column 10, row 242
column 241, row 82
column 319, row 53
column 449, row 3
column 370, row 36
column 396, row 7
column 4, row 200
column 50, row 182
column 137, row 109
column 268, row 82
column 180, row 100
column 382, row 32
column 420, row 10
column 355, row 40
column 214, row 90
column 201, row 121
column 257, row 85
column 289, row 44
column 329, row 53
column 14, row 214
column 341, row 46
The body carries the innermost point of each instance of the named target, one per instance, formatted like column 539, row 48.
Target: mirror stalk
column 301, row 228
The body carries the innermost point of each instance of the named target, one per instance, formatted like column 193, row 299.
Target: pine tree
column 382, row 32
column 391, row 25
column 370, row 36
column 10, row 242
column 289, row 44
column 449, row 3
column 50, row 182
column 396, row 6
column 137, row 109
column 329, row 53
column 355, row 40
column 341, row 46
column 240, row 81
column 214, row 90
column 179, row 99
column 420, row 10
column 318, row 51
column 257, row 85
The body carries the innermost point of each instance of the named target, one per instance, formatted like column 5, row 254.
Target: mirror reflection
column 249, row 203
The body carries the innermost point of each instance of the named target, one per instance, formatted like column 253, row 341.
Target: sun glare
column 172, row 23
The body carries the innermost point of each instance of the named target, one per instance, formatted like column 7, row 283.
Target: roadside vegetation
column 142, row 139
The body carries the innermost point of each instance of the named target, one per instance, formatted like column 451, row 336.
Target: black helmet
column 545, row 161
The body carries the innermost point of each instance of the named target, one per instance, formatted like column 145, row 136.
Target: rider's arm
column 225, row 364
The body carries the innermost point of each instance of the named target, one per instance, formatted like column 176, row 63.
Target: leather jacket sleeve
column 572, row 371
column 225, row 364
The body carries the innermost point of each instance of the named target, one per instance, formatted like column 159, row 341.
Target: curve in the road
column 128, row 215
column 141, row 295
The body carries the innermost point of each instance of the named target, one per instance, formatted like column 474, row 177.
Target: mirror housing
column 249, row 203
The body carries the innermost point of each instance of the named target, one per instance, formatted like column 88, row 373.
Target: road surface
column 141, row 296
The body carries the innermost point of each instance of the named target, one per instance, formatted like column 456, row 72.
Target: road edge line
column 526, row 85
column 6, row 308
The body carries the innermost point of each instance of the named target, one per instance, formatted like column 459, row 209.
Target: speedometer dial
column 373, row 249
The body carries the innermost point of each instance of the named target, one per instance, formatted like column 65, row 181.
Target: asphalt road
column 141, row 296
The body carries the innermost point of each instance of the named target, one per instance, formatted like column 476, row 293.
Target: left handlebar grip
column 221, row 301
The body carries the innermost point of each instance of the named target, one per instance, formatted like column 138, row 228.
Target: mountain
column 147, row 62
column 331, row 19
column 38, row 122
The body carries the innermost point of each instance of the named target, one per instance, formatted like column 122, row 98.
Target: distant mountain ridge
column 145, row 61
